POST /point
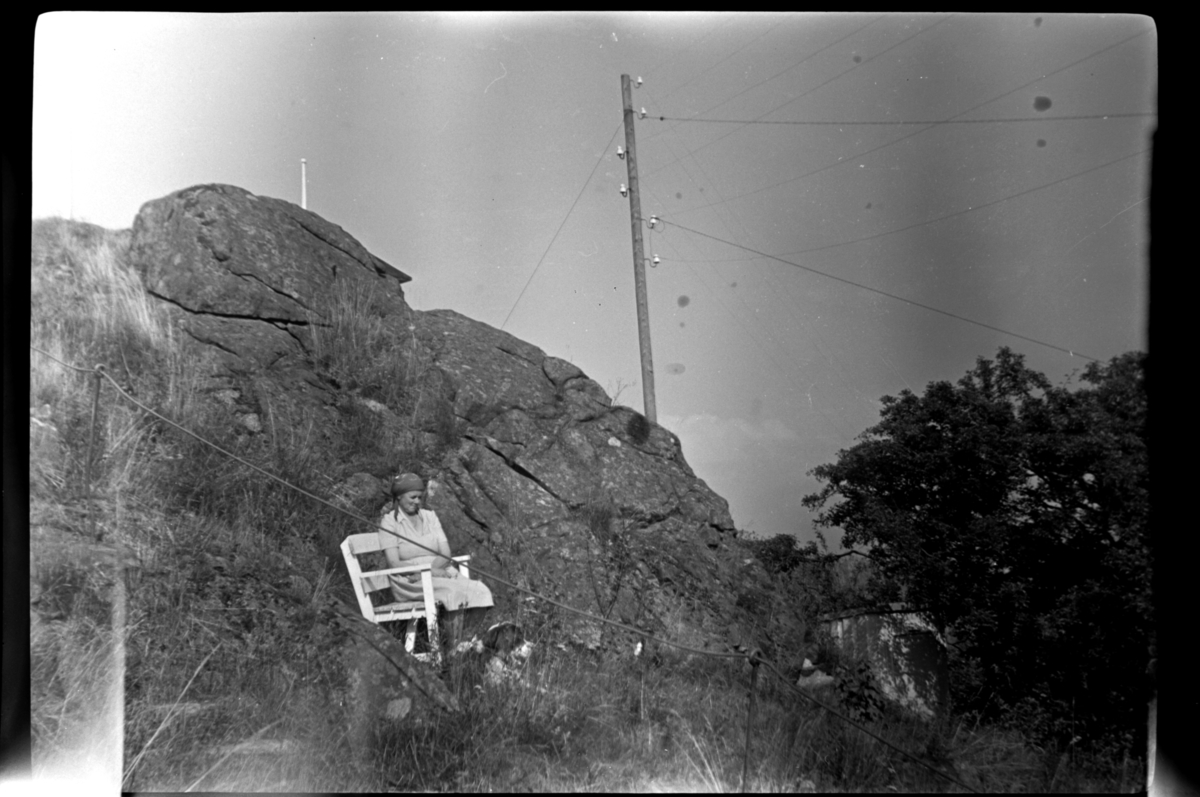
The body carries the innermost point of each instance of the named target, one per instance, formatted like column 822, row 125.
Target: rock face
column 534, row 471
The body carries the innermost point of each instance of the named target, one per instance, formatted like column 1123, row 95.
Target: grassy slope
column 233, row 679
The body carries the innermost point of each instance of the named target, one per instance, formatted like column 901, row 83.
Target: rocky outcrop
column 535, row 471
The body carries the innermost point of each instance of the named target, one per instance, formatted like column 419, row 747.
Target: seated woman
column 404, row 516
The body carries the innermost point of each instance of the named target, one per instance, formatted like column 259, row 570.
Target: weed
column 638, row 428
column 356, row 343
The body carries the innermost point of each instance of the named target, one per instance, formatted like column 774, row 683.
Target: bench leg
column 410, row 635
column 435, row 649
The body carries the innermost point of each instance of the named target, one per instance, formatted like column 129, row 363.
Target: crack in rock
column 520, row 470
column 278, row 322
column 270, row 287
column 328, row 242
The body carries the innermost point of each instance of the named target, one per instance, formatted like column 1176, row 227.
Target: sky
column 849, row 205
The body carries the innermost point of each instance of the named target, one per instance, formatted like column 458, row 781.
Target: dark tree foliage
column 822, row 582
column 782, row 553
column 1016, row 515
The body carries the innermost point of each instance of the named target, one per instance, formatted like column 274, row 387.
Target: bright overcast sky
column 477, row 153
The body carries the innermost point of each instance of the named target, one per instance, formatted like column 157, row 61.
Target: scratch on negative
column 499, row 78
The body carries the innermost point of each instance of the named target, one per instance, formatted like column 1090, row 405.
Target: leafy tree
column 821, row 582
column 1015, row 515
column 782, row 553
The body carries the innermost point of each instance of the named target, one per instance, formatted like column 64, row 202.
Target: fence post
column 749, row 719
column 96, row 375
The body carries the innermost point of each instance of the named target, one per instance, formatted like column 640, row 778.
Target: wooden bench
column 408, row 612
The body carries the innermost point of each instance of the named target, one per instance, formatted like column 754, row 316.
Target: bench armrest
column 463, row 560
column 393, row 570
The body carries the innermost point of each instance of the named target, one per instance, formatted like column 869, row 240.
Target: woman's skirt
column 453, row 592
column 461, row 593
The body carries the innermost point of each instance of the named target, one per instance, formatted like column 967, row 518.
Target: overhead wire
column 374, row 524
column 762, row 349
column 789, row 372
column 697, row 75
column 753, row 656
column 931, row 122
column 784, row 71
column 898, row 298
column 798, row 691
column 819, row 85
column 673, row 55
column 788, row 355
column 848, row 159
column 561, row 224
column 971, row 209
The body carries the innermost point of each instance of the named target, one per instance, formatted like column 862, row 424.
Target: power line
column 930, row 122
column 840, row 161
column 673, row 55
column 971, row 209
column 793, row 66
column 814, row 88
column 705, row 71
column 781, row 290
column 763, row 349
column 582, row 188
column 885, row 293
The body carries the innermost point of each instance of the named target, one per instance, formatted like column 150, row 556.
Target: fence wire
column 754, row 656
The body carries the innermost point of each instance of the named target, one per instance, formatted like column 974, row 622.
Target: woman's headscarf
column 407, row 483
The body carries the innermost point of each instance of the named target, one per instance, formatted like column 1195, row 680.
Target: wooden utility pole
column 639, row 258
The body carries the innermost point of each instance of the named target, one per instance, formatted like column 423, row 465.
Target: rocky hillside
column 534, row 470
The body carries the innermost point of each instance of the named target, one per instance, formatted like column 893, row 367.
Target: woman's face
column 410, row 502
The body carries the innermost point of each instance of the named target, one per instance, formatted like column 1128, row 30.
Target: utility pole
column 304, row 183
column 639, row 258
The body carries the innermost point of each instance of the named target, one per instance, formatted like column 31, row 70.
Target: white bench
column 407, row 612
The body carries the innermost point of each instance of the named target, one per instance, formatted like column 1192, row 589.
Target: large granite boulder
column 534, row 471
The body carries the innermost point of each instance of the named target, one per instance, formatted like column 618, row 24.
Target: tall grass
column 361, row 345
column 76, row 673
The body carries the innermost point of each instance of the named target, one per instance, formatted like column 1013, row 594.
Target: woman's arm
column 437, row 536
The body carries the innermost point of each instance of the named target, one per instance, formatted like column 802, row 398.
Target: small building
column 905, row 652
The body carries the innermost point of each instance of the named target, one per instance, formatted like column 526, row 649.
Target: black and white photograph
column 591, row 401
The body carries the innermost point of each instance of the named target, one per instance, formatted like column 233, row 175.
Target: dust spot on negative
column 868, row 206
column 1041, row 142
column 1037, row 23
column 733, row 284
column 683, row 301
column 858, row 59
column 682, row 324
column 1041, row 103
column 675, row 369
column 679, row 195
